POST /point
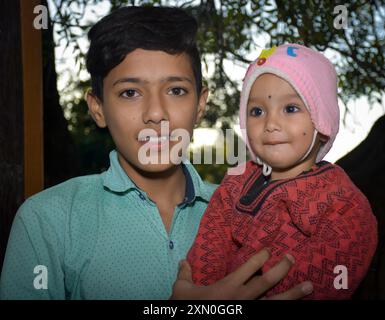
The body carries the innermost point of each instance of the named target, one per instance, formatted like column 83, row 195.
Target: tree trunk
column 61, row 159
column 11, row 118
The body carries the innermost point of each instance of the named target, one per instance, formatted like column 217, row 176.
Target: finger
column 258, row 285
column 184, row 272
column 298, row 292
column 251, row 266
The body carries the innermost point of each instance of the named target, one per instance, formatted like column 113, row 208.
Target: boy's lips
column 157, row 142
column 157, row 139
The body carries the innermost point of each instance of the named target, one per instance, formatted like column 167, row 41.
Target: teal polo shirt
column 100, row 237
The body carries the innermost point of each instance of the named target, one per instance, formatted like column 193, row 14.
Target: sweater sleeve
column 333, row 237
column 210, row 255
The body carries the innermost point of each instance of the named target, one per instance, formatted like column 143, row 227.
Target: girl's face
column 279, row 127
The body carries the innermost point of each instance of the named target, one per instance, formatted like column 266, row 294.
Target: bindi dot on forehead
column 304, row 133
column 269, row 96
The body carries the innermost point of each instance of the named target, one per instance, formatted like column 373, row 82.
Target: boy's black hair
column 167, row 29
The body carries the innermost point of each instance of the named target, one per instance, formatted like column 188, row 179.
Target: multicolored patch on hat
column 290, row 51
column 265, row 54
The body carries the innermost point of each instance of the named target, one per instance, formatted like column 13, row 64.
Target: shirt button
column 171, row 245
column 141, row 196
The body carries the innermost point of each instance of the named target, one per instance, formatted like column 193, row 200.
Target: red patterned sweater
column 320, row 217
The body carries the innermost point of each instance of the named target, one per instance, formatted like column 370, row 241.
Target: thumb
column 184, row 272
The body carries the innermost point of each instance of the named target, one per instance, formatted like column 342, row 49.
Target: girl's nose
column 272, row 122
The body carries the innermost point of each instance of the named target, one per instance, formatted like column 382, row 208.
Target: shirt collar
column 116, row 180
column 199, row 188
column 190, row 191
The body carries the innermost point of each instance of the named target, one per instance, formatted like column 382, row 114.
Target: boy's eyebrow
column 176, row 78
column 139, row 80
column 131, row 80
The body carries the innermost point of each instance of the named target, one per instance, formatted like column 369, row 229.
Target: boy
column 121, row 234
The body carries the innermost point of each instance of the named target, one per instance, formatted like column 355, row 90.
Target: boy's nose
column 155, row 110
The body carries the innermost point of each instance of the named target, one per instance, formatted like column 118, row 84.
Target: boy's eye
column 291, row 108
column 177, row 91
column 130, row 93
column 256, row 112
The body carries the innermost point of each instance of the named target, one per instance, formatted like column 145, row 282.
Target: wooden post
column 33, row 100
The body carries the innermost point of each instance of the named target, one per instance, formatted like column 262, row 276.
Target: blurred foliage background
column 228, row 30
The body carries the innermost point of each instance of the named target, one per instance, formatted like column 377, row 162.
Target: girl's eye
column 177, row 91
column 256, row 112
column 130, row 93
column 291, row 108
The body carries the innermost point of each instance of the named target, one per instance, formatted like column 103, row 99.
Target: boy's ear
column 202, row 100
column 95, row 109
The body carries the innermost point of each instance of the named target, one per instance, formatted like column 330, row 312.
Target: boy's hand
column 240, row 285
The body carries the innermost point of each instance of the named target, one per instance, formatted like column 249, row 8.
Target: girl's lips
column 273, row 143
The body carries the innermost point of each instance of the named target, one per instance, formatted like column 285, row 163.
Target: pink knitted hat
column 311, row 75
